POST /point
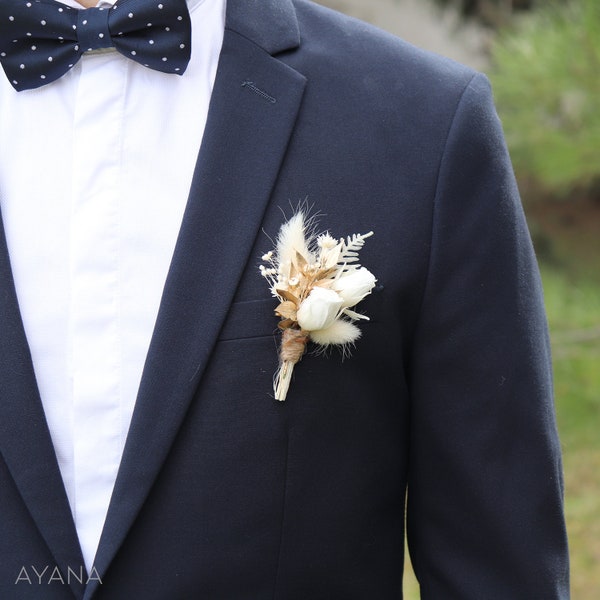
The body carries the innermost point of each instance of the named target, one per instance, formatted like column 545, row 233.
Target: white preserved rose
column 319, row 310
column 353, row 286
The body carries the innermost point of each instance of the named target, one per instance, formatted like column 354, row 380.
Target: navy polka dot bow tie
column 40, row 40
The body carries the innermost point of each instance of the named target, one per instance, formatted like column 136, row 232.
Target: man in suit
column 200, row 484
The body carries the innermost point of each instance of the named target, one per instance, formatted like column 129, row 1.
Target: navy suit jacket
column 225, row 493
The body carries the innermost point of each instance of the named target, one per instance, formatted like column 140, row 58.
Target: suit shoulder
column 342, row 46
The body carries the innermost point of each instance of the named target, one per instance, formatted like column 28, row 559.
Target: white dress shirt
column 95, row 171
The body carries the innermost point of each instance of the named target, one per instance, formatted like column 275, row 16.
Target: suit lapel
column 253, row 109
column 25, row 442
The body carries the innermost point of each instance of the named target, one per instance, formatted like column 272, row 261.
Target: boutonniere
column 317, row 280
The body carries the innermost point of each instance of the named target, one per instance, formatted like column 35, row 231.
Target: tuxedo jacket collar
column 253, row 108
column 270, row 24
column 25, row 443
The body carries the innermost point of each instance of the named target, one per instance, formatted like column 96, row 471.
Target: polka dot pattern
column 40, row 40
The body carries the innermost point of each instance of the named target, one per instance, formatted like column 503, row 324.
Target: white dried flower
column 340, row 332
column 326, row 241
column 354, row 285
column 319, row 310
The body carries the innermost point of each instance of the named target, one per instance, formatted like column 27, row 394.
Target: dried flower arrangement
column 317, row 280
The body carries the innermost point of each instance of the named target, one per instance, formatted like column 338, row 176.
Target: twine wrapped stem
column 293, row 346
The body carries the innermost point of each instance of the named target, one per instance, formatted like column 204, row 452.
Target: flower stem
column 293, row 346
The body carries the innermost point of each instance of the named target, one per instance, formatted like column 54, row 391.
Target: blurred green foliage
column 573, row 305
column 546, row 78
column 493, row 13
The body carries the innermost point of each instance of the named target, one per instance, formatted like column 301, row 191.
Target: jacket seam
column 414, row 551
column 434, row 205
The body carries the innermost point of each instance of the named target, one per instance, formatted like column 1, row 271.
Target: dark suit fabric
column 225, row 493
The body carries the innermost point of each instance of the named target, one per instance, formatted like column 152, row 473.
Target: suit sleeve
column 485, row 497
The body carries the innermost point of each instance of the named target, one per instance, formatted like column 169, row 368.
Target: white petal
column 319, row 309
column 354, row 285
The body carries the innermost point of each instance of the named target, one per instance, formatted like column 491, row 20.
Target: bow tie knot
column 40, row 40
column 93, row 31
